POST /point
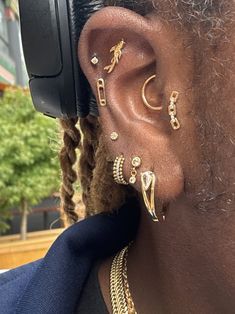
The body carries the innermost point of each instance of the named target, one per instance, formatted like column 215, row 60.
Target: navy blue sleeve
column 13, row 284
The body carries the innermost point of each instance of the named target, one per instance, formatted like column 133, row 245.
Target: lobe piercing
column 136, row 163
column 114, row 136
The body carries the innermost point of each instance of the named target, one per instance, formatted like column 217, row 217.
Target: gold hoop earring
column 118, row 170
column 148, row 182
column 143, row 93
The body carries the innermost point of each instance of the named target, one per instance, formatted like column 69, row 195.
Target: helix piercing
column 117, row 54
column 95, row 60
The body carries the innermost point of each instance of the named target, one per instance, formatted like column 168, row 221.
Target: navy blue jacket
column 54, row 284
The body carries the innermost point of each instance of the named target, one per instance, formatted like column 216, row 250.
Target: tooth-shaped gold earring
column 148, row 182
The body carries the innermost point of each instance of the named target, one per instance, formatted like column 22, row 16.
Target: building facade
column 12, row 68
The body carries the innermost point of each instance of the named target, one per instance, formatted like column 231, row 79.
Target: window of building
column 3, row 22
column 3, row 30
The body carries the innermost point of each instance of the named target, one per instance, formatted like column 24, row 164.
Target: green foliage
column 28, row 167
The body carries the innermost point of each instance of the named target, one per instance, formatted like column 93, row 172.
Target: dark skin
column 186, row 264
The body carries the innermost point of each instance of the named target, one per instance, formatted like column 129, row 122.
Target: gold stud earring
column 117, row 54
column 148, row 183
column 172, row 111
column 114, row 136
column 143, row 94
column 101, row 92
column 136, row 163
column 95, row 60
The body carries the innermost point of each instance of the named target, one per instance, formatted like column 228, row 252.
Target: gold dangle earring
column 136, row 163
column 148, row 183
column 172, row 111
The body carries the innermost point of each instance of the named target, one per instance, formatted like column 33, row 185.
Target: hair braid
column 68, row 158
column 91, row 134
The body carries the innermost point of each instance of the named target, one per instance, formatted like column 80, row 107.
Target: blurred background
column 29, row 144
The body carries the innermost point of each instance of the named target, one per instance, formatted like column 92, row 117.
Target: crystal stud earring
column 114, row 136
column 95, row 60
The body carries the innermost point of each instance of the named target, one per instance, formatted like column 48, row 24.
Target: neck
column 184, row 265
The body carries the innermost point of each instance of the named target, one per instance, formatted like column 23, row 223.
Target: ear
column 142, row 132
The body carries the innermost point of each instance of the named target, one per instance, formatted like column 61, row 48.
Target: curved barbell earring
column 143, row 93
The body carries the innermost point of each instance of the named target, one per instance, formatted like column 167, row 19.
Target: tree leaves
column 29, row 168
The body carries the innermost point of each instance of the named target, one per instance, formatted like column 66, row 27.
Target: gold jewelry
column 114, row 136
column 95, row 60
column 118, row 170
column 101, row 92
column 148, row 182
column 117, row 53
column 121, row 299
column 173, row 111
column 136, row 163
column 143, row 93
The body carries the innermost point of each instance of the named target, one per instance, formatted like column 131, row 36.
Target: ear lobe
column 142, row 132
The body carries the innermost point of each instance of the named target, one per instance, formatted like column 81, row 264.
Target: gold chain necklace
column 122, row 302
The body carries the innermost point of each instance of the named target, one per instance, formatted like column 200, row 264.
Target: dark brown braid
column 105, row 194
column 91, row 132
column 100, row 193
column 68, row 158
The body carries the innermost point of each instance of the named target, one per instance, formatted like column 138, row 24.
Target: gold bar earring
column 101, row 92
